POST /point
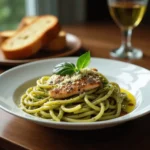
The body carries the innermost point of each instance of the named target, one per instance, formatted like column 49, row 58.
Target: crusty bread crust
column 57, row 43
column 50, row 35
column 24, row 52
column 26, row 21
column 28, row 40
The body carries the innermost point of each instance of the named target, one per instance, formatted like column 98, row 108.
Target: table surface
column 100, row 39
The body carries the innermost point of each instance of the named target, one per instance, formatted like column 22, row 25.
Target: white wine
column 127, row 14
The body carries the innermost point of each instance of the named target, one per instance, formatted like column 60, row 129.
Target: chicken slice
column 73, row 88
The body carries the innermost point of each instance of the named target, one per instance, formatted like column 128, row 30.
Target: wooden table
column 16, row 133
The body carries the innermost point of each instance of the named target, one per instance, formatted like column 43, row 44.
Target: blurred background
column 68, row 11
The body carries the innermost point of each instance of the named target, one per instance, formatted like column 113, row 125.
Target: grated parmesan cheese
column 62, row 80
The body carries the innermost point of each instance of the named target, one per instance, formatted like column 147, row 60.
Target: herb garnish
column 67, row 68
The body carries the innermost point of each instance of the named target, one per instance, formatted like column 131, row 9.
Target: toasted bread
column 57, row 43
column 30, row 39
column 6, row 34
column 26, row 21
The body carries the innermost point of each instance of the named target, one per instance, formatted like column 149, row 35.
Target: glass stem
column 126, row 38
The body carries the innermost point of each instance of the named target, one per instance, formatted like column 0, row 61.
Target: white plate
column 133, row 78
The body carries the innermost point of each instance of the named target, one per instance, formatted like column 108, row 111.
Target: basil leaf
column 83, row 60
column 64, row 68
column 67, row 68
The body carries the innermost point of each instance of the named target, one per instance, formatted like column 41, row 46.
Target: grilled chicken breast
column 66, row 88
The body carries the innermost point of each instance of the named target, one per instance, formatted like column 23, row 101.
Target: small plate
column 15, row 81
column 73, row 45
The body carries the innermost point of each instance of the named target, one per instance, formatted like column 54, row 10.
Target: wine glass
column 127, row 14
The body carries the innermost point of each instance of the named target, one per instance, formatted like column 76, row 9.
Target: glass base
column 131, row 53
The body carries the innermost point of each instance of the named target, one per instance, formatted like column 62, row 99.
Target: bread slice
column 6, row 34
column 57, row 43
column 26, row 21
column 30, row 39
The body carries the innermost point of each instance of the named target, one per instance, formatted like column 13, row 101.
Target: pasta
column 97, row 104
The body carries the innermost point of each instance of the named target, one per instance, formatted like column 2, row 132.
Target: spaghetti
column 100, row 103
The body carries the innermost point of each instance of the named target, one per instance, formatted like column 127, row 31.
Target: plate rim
column 74, row 57
column 142, row 112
